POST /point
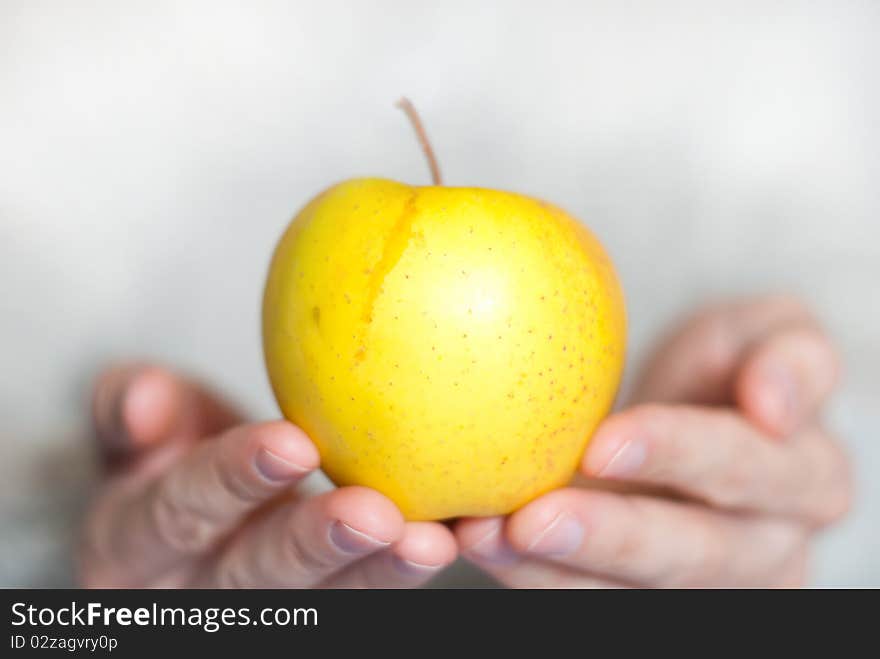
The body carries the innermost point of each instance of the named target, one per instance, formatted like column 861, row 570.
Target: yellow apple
column 453, row 348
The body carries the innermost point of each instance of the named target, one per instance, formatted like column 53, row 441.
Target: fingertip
column 527, row 523
column 470, row 530
column 132, row 405
column 366, row 511
column 555, row 524
column 606, row 443
column 283, row 450
column 619, row 447
column 149, row 403
column 483, row 541
column 787, row 378
column 426, row 545
column 767, row 392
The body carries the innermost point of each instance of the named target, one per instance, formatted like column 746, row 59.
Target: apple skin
column 452, row 348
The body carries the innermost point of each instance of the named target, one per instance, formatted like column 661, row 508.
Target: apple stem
column 406, row 105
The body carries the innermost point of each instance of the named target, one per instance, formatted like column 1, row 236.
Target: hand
column 718, row 476
column 194, row 497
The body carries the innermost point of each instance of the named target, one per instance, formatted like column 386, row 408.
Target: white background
column 150, row 154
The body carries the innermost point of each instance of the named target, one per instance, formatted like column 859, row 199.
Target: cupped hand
column 195, row 497
column 719, row 473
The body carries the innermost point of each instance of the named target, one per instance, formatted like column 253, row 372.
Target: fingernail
column 561, row 537
column 493, row 548
column 780, row 395
column 273, row 467
column 352, row 541
column 626, row 461
column 411, row 568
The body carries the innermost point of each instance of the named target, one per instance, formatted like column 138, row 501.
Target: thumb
column 697, row 362
column 136, row 406
column 787, row 377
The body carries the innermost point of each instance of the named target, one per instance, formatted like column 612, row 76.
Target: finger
column 651, row 542
column 715, row 455
column 786, row 378
column 131, row 407
column 425, row 549
column 304, row 543
column 202, row 497
column 483, row 543
column 139, row 405
column 698, row 361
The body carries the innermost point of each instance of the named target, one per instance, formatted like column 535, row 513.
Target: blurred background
column 152, row 152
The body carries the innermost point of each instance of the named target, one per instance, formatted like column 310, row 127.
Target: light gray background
column 150, row 154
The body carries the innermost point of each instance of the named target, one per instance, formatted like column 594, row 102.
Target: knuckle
column 302, row 558
column 226, row 470
column 178, row 525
